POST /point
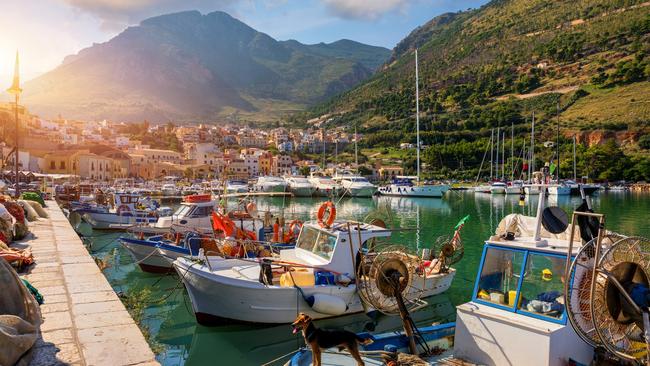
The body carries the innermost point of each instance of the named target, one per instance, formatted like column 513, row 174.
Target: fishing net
column 20, row 319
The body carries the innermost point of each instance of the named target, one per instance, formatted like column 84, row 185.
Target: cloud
column 364, row 9
column 116, row 14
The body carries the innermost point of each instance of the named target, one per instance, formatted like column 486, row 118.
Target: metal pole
column 417, row 113
column 17, row 180
column 574, row 159
column 557, row 144
column 491, row 153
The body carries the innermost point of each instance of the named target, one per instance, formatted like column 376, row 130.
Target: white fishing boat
column 541, row 297
column 317, row 280
column 482, row 189
column 356, row 186
column 409, row 186
column 515, row 187
column 300, row 186
column 271, row 184
column 325, row 186
column 124, row 214
column 193, row 214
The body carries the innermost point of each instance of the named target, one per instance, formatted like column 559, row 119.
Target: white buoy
column 327, row 304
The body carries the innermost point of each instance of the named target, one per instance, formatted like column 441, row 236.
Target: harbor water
column 178, row 340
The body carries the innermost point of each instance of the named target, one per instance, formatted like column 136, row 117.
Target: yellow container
column 302, row 278
column 512, row 295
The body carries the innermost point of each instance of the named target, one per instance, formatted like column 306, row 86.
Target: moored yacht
column 169, row 189
column 498, row 188
column 271, row 184
column 236, row 186
column 300, row 186
column 325, row 186
column 409, row 186
column 356, row 186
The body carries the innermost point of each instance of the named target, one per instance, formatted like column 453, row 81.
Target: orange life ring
column 295, row 225
column 251, row 208
column 331, row 216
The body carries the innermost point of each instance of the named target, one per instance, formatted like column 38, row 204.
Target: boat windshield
column 358, row 180
column 317, row 242
column 183, row 210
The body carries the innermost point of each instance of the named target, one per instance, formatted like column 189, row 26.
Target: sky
column 45, row 31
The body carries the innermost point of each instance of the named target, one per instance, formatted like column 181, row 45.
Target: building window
column 92, row 166
column 52, row 164
column 62, row 165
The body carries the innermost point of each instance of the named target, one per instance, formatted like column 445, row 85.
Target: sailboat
column 531, row 188
column 410, row 186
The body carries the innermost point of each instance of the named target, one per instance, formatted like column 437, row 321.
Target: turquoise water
column 180, row 341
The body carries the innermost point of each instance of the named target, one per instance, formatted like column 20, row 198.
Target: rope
column 281, row 357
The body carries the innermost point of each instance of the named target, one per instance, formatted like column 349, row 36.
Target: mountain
column 493, row 66
column 189, row 66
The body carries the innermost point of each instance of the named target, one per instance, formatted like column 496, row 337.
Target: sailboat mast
column 574, row 159
column 356, row 149
column 503, row 157
column 512, row 151
column 557, row 144
column 417, row 113
column 491, row 154
column 532, row 146
column 496, row 170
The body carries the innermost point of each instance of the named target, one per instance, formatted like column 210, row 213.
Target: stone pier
column 84, row 322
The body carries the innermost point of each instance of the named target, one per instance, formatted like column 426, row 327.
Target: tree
column 644, row 142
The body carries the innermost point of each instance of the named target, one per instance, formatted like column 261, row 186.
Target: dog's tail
column 365, row 341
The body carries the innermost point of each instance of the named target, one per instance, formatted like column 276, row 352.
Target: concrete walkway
column 84, row 322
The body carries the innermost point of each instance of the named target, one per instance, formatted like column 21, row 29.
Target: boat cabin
column 517, row 314
column 125, row 202
column 330, row 248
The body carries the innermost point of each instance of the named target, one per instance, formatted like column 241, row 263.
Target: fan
column 389, row 282
column 578, row 294
column 622, row 275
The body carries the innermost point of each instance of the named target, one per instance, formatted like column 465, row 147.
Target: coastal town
column 104, row 151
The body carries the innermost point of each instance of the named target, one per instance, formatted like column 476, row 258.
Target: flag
column 15, row 86
column 552, row 168
column 461, row 222
column 217, row 223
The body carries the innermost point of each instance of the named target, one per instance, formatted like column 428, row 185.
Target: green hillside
column 494, row 66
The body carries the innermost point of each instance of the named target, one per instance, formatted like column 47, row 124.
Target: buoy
column 331, row 216
column 251, row 208
column 327, row 304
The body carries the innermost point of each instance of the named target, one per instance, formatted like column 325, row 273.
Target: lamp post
column 16, row 90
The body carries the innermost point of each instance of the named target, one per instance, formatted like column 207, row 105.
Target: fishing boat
column 124, row 213
column 146, row 255
column 300, row 186
column 439, row 337
column 542, row 296
column 325, row 186
column 316, row 277
column 271, row 184
column 409, row 186
column 193, row 214
column 559, row 190
column 356, row 186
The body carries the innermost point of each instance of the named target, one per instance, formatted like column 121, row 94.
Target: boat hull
column 108, row 221
column 216, row 296
column 146, row 256
column 432, row 191
column 360, row 191
column 559, row 191
column 302, row 191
